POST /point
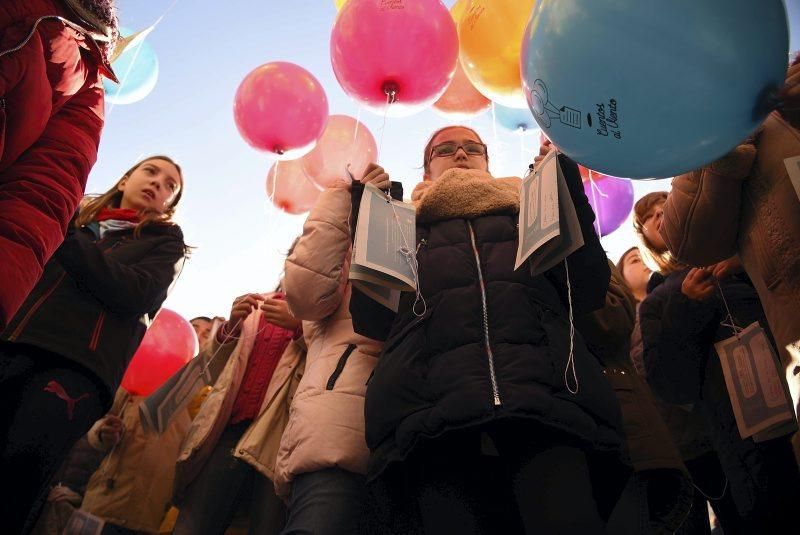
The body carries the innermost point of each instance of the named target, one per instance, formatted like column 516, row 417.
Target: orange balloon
column 461, row 100
column 339, row 4
column 289, row 188
column 490, row 33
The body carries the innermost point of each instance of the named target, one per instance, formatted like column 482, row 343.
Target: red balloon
column 281, row 108
column 345, row 143
column 405, row 48
column 461, row 100
column 290, row 189
column 168, row 344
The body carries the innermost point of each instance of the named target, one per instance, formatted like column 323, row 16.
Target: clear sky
column 205, row 49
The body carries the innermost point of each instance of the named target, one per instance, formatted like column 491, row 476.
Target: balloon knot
column 390, row 89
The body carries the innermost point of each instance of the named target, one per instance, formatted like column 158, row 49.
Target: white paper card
column 83, row 523
column 384, row 295
column 758, row 395
column 384, row 231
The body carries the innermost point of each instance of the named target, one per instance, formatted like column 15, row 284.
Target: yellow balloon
column 458, row 10
column 339, row 4
column 490, row 33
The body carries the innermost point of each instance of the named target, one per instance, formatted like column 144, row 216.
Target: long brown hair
column 92, row 204
column 426, row 157
column 663, row 262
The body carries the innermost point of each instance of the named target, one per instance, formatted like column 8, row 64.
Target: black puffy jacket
column 493, row 343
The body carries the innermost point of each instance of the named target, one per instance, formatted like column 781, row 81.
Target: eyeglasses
column 472, row 148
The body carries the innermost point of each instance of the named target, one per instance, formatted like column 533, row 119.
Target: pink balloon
column 344, row 142
column 461, row 100
column 281, row 108
column 406, row 46
column 168, row 344
column 289, row 188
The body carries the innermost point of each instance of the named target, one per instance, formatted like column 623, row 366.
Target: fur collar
column 465, row 194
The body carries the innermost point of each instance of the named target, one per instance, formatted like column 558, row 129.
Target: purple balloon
column 611, row 199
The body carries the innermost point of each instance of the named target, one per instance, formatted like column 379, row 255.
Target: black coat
column 683, row 368
column 438, row 373
column 96, row 298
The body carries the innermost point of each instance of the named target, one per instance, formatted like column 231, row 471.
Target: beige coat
column 326, row 423
column 259, row 444
column 745, row 204
column 133, row 485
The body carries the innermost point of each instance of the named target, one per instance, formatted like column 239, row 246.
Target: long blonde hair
column 92, row 204
column 663, row 262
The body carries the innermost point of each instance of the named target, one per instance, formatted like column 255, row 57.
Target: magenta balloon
column 409, row 46
column 281, row 108
column 611, row 199
column 345, row 143
column 289, row 188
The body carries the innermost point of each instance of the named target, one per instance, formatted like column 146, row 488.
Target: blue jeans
column 326, row 502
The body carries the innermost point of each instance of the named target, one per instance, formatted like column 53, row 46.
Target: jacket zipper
column 35, row 307
column 340, row 367
column 98, row 328
column 489, row 354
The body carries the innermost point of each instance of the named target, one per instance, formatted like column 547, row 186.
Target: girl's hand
column 110, row 431
column 726, row 268
column 375, row 175
column 698, row 284
column 241, row 308
column 276, row 311
column 544, row 150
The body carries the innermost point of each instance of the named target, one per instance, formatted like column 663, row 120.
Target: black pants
column 224, row 484
column 533, row 482
column 46, row 404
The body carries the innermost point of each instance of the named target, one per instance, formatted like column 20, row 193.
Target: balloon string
column 390, row 96
column 274, row 181
column 136, row 55
column 354, row 146
column 522, row 148
column 494, row 127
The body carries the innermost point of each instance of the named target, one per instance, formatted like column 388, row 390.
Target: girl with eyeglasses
column 471, row 424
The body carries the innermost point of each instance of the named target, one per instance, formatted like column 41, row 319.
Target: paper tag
column 83, row 523
column 757, row 394
column 539, row 216
column 793, row 168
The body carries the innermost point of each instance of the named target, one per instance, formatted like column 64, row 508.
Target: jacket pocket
column 98, row 328
column 340, row 367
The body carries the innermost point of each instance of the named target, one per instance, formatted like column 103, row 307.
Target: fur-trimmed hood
column 465, row 194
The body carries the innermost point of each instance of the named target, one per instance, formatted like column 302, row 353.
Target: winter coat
column 653, row 453
column 745, row 204
column 133, row 485
column 260, row 442
column 51, row 116
column 492, row 343
column 97, row 297
column 326, row 421
column 682, row 367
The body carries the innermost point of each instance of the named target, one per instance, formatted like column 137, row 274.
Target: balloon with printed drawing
column 289, row 188
column 281, row 108
column 137, row 71
column 490, row 33
column 345, row 143
column 169, row 343
column 646, row 88
column 404, row 48
column 611, row 199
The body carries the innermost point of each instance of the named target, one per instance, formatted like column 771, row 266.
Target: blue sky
column 205, row 49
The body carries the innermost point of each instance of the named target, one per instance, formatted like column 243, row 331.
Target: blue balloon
column 514, row 118
column 652, row 88
column 137, row 71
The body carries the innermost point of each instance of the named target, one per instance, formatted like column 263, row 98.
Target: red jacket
column 51, row 116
